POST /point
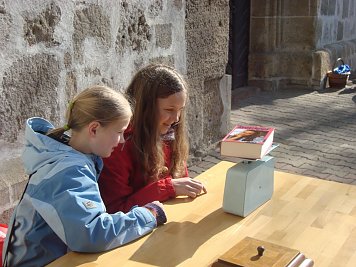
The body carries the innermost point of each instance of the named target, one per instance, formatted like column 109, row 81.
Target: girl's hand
column 188, row 187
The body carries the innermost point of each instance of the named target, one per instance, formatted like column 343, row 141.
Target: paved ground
column 316, row 131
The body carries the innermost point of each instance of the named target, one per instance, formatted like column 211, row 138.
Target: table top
column 314, row 216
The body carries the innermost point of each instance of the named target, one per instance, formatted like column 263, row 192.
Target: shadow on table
column 182, row 199
column 186, row 238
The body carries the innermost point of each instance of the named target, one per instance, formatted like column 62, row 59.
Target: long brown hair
column 149, row 84
column 96, row 103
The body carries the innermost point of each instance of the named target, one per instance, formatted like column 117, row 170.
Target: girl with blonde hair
column 61, row 209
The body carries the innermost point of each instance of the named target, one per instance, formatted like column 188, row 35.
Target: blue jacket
column 62, row 209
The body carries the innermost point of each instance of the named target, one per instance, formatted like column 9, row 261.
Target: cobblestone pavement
column 316, row 131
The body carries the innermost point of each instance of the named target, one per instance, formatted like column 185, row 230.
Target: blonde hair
column 150, row 83
column 96, row 103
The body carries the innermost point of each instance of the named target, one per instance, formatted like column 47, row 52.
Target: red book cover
column 251, row 142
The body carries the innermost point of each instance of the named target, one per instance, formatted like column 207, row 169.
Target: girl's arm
column 122, row 184
column 71, row 205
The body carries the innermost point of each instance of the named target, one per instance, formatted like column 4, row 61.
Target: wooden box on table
column 251, row 252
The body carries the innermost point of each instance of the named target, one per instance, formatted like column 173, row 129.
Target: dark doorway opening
column 239, row 39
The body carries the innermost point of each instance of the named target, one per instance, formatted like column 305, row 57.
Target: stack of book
column 248, row 142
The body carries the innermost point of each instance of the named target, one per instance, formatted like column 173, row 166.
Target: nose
column 176, row 116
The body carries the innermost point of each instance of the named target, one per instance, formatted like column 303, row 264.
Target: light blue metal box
column 248, row 185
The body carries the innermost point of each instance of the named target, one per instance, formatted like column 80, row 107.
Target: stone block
column 71, row 85
column 67, row 60
column 263, row 34
column 313, row 8
column 13, row 180
column 352, row 9
column 280, row 65
column 298, row 8
column 327, row 32
column 155, row 8
column 90, row 21
column 6, row 215
column 163, row 34
column 331, row 8
column 318, row 31
column 321, row 65
column 297, row 33
column 293, row 65
column 29, row 88
column 213, row 109
column 41, row 28
column 5, row 26
column 345, row 8
column 340, row 30
column 195, row 116
column 206, row 53
column 324, row 7
column 167, row 60
column 260, row 66
column 225, row 95
column 283, row 8
column 335, row 50
column 4, row 195
column 289, row 69
column 12, row 172
column 178, row 4
column 264, row 8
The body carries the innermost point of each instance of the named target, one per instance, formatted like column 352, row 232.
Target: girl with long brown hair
column 151, row 164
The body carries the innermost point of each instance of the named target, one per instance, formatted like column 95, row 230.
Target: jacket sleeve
column 71, row 205
column 123, row 185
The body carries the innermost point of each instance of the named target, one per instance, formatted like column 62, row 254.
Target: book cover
column 250, row 142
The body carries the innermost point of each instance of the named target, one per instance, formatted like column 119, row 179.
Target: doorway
column 239, row 39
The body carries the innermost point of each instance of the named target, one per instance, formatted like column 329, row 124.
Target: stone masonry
column 207, row 30
column 52, row 49
column 295, row 43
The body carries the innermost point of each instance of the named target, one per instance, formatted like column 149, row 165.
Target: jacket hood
column 40, row 149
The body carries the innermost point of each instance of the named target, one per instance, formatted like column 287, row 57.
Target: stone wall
column 336, row 22
column 207, row 32
column 52, row 49
column 336, row 36
column 294, row 43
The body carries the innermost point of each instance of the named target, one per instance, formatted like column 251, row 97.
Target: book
column 248, row 142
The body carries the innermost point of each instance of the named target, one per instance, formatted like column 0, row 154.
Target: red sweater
column 122, row 182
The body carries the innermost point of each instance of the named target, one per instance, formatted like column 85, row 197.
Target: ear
column 93, row 127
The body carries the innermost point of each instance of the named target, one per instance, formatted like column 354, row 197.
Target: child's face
column 108, row 137
column 169, row 110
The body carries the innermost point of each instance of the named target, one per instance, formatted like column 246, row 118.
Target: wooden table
column 316, row 217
